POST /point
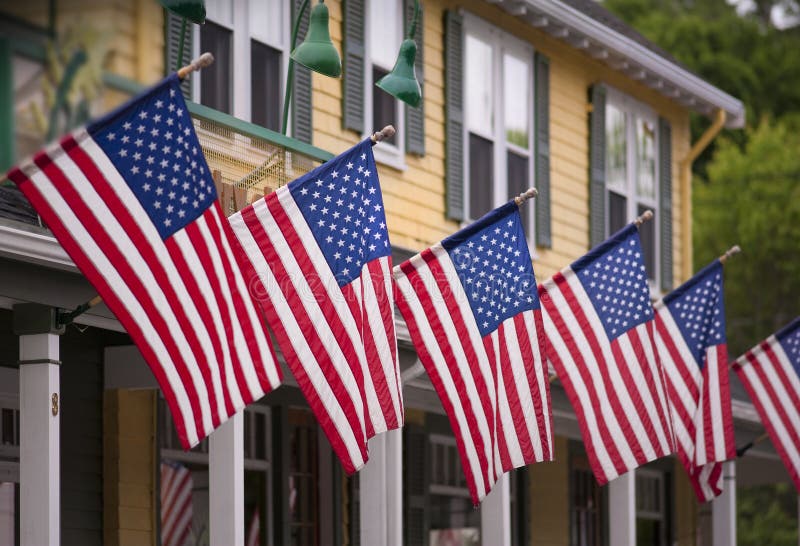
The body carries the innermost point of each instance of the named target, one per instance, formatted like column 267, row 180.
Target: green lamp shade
column 317, row 51
column 401, row 82
column 194, row 10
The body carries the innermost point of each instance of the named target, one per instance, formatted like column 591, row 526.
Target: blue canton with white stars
column 613, row 275
column 152, row 143
column 341, row 201
column 494, row 265
column 699, row 311
column 789, row 338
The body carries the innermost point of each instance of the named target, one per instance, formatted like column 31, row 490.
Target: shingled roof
column 14, row 206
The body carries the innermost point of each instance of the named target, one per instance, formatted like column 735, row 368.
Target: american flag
column 473, row 313
column 770, row 372
column 176, row 504
column 321, row 248
column 598, row 320
column 690, row 342
column 131, row 200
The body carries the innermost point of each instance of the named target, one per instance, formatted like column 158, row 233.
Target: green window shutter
column 301, row 93
column 353, row 69
column 597, row 166
column 665, row 201
column 454, row 114
column 542, row 147
column 7, row 140
column 415, row 117
column 416, row 478
column 172, row 40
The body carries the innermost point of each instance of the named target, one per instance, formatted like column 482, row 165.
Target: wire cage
column 246, row 165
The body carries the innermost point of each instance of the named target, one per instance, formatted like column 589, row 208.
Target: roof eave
column 623, row 54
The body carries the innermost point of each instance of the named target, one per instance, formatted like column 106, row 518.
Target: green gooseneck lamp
column 402, row 82
column 316, row 52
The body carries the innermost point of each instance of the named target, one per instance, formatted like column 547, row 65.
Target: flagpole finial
column 202, row 61
column 735, row 249
column 530, row 193
column 645, row 217
column 387, row 132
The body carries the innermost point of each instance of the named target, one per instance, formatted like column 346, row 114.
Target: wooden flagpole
column 740, row 451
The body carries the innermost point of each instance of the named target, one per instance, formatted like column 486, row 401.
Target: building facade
column 556, row 94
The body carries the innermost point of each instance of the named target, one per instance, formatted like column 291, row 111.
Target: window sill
column 388, row 155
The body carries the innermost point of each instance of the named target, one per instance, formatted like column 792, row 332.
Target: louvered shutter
column 301, row 93
column 454, row 114
column 172, row 40
column 415, row 117
column 353, row 69
column 542, row 146
column 597, row 166
column 416, row 477
column 665, row 201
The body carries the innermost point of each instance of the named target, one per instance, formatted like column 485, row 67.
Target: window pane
column 481, row 179
column 184, row 501
column 453, row 520
column 647, row 232
column 517, row 92
column 267, row 20
column 265, row 64
column 646, row 158
column 384, row 106
column 518, row 183
column 617, row 212
column 255, row 507
column 384, row 29
column 478, row 86
column 616, row 147
column 215, row 80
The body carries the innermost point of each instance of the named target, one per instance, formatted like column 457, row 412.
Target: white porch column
column 496, row 514
column 40, row 440
column 381, row 491
column 622, row 510
column 226, row 483
column 723, row 508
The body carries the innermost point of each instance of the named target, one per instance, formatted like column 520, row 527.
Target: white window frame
column 239, row 25
column 636, row 109
column 501, row 43
column 392, row 155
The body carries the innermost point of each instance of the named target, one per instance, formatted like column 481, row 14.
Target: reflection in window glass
column 265, row 85
column 303, row 478
column 478, row 86
column 516, row 88
column 617, row 212
column 385, row 38
column 616, row 147
column 481, row 176
column 215, row 80
column 384, row 105
column 517, row 183
column 646, row 158
column 266, row 20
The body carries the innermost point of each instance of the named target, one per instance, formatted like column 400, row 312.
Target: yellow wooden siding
column 549, row 498
column 129, row 466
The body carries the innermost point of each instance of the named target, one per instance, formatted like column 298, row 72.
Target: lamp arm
column 412, row 31
column 290, row 72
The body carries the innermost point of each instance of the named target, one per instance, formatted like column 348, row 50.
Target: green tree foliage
column 763, row 512
column 752, row 198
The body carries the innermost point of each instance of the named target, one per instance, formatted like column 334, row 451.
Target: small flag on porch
column 321, row 249
column 474, row 317
column 599, row 325
column 770, row 372
column 131, row 199
column 691, row 345
column 176, row 504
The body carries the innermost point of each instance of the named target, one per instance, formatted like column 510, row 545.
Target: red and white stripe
column 494, row 388
column 184, row 300
column 699, row 404
column 616, row 387
column 339, row 343
column 176, row 504
column 772, row 383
